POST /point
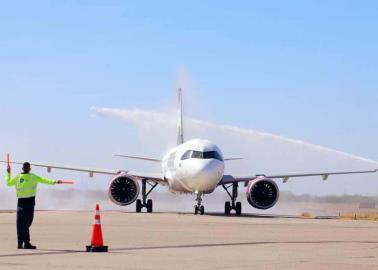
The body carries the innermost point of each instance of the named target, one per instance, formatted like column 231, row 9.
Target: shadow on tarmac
column 267, row 216
column 64, row 252
column 251, row 215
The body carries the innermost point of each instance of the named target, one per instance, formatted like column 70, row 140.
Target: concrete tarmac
column 185, row 241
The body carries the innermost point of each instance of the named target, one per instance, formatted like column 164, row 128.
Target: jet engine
column 123, row 190
column 262, row 193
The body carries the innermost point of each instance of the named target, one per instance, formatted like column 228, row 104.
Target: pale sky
column 305, row 70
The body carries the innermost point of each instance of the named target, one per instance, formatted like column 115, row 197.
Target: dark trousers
column 25, row 215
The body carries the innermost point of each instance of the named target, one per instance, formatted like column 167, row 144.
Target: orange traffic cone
column 97, row 243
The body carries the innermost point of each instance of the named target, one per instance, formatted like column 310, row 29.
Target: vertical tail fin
column 180, row 124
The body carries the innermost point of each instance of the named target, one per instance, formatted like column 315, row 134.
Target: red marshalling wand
column 8, row 161
column 67, row 182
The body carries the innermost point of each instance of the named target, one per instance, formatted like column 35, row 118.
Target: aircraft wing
column 139, row 158
column 155, row 177
column 228, row 179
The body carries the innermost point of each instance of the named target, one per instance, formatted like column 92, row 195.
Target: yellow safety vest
column 26, row 184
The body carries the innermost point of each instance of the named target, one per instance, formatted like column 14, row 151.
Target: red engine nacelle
column 262, row 193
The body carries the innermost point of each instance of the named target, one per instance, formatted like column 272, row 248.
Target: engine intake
column 262, row 193
column 123, row 190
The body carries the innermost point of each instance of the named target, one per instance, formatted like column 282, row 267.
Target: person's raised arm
column 46, row 180
column 10, row 182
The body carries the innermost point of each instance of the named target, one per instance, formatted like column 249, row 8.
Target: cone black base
column 97, row 249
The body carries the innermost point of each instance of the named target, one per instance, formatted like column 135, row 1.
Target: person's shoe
column 20, row 246
column 29, row 246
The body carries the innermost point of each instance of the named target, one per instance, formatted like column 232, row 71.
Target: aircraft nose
column 207, row 175
column 210, row 166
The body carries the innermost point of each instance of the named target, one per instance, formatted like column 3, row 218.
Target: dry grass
column 308, row 215
column 360, row 216
column 349, row 216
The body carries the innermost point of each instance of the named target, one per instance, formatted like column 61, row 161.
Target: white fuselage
column 196, row 166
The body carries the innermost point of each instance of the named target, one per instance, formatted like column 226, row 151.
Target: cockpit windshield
column 201, row 155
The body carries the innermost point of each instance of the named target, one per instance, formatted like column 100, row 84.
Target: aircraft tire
column 227, row 208
column 138, row 206
column 149, row 206
column 238, row 209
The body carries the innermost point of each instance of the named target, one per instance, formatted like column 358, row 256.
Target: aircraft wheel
column 196, row 210
column 139, row 206
column 238, row 209
column 227, row 208
column 202, row 210
column 149, row 206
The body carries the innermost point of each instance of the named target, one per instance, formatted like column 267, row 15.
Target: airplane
column 196, row 166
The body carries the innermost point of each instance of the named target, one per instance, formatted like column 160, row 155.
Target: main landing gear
column 233, row 205
column 144, row 202
column 199, row 208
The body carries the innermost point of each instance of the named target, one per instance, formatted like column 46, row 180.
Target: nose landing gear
column 233, row 205
column 199, row 208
